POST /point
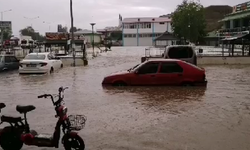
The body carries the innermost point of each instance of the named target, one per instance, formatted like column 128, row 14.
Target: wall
column 88, row 38
column 130, row 42
column 213, row 60
column 145, row 35
column 146, row 41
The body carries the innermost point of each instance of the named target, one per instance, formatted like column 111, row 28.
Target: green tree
column 7, row 33
column 29, row 31
column 188, row 21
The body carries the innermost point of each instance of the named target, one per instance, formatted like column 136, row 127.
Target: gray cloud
column 102, row 12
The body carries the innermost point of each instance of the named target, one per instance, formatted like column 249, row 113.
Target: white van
column 183, row 52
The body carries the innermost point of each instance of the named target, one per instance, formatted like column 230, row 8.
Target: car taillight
column 43, row 64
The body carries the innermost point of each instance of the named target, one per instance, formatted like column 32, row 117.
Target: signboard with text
column 56, row 36
column 5, row 24
column 241, row 7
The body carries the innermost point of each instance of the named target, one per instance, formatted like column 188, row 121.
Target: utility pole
column 93, row 41
column 2, row 29
column 72, row 34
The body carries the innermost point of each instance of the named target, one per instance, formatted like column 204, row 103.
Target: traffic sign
column 5, row 24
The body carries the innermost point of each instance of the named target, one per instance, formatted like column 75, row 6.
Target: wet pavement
column 136, row 118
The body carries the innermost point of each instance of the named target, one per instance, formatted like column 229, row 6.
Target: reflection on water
column 161, row 98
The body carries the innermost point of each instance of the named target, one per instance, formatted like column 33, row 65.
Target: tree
column 7, row 33
column 60, row 28
column 29, row 31
column 75, row 29
column 188, row 21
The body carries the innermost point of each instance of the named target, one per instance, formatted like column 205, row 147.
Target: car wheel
column 51, row 70
column 119, row 83
column 61, row 65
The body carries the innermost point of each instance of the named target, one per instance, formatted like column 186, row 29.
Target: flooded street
column 139, row 118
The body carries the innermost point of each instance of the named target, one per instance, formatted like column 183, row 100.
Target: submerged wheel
column 119, row 83
column 75, row 143
column 11, row 141
column 61, row 65
column 51, row 70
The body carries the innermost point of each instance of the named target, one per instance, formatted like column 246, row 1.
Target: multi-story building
column 143, row 31
column 237, row 22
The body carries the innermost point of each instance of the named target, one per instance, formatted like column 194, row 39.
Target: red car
column 159, row 72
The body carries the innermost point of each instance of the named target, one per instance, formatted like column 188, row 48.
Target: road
column 215, row 118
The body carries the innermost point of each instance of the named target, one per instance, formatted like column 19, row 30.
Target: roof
column 237, row 15
column 162, row 59
column 212, row 34
column 166, row 36
column 85, row 31
column 45, row 53
column 146, row 19
column 181, row 46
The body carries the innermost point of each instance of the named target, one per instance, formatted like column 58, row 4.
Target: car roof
column 39, row 53
column 163, row 60
column 180, row 46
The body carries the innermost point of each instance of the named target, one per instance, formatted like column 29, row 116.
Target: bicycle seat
column 11, row 119
column 2, row 105
column 25, row 109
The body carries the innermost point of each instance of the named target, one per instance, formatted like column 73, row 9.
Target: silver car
column 8, row 62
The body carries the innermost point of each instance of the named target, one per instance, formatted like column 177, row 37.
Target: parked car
column 8, row 62
column 159, row 72
column 40, row 63
column 183, row 52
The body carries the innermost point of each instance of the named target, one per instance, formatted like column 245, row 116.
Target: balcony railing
column 233, row 32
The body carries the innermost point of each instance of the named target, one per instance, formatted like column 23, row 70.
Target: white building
column 143, row 31
column 88, row 36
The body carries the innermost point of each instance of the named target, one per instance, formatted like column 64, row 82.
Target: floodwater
column 139, row 118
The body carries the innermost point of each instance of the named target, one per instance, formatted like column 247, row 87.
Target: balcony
column 233, row 32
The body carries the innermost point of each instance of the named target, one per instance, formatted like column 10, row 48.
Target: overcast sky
column 102, row 12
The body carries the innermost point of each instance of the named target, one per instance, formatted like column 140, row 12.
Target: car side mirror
column 136, row 72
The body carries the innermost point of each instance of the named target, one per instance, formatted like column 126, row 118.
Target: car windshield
column 133, row 68
column 35, row 57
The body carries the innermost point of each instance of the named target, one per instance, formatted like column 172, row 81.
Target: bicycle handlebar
column 61, row 89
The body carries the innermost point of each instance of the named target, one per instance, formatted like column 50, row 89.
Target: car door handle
column 180, row 75
column 152, row 76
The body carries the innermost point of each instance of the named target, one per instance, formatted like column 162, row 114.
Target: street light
column 92, row 24
column 47, row 23
column 2, row 29
column 72, row 34
column 31, row 19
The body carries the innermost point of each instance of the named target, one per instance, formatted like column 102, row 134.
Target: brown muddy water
column 139, row 118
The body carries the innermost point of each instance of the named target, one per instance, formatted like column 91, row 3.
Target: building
column 143, row 31
column 236, row 23
column 87, row 36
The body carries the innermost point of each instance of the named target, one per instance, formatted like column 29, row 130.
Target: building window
column 162, row 23
column 129, row 35
column 145, row 35
column 134, row 25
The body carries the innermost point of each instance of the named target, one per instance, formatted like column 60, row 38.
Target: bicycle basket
column 77, row 122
